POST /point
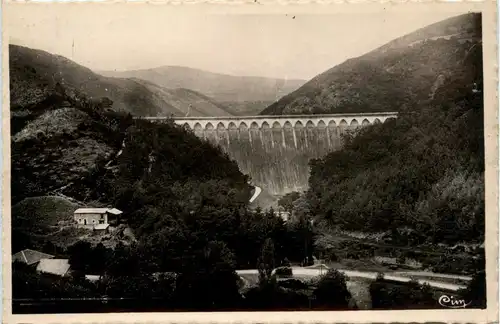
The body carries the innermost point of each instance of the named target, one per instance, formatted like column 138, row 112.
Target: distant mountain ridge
column 34, row 73
column 188, row 102
column 221, row 87
column 389, row 78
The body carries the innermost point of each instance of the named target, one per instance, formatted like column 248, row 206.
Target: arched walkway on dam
column 281, row 121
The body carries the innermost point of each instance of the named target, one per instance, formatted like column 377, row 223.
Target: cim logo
column 452, row 302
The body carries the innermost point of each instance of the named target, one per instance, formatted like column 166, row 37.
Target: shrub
column 286, row 263
column 331, row 291
column 475, row 293
column 389, row 295
column 276, row 298
column 293, row 284
column 284, row 272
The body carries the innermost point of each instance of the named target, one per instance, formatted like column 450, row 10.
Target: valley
column 362, row 188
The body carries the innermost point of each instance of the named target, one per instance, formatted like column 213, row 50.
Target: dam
column 275, row 150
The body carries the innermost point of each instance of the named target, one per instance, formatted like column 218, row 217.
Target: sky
column 290, row 45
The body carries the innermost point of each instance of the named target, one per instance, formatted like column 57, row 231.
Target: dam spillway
column 275, row 150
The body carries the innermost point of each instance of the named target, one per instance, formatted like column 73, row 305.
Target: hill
column 34, row 73
column 44, row 211
column 390, row 78
column 246, row 108
column 421, row 175
column 221, row 87
column 187, row 101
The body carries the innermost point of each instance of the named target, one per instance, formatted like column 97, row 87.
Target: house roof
column 115, row 211
column 97, row 211
column 93, row 277
column 91, row 211
column 30, row 256
column 101, row 226
column 54, row 266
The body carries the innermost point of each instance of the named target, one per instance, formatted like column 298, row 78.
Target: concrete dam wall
column 275, row 150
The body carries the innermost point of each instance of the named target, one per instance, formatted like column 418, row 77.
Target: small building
column 57, row 267
column 102, row 228
column 30, row 257
column 93, row 278
column 282, row 213
column 92, row 217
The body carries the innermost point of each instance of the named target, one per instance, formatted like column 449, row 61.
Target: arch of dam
column 275, row 150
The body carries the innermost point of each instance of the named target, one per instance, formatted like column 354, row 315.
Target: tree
column 301, row 208
column 212, row 282
column 401, row 259
column 80, row 255
column 288, row 200
column 266, row 261
column 286, row 263
column 475, row 293
column 331, row 291
column 412, row 295
column 123, row 261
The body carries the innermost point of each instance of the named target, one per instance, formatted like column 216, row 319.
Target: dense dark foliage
column 284, row 272
column 475, row 293
column 287, row 201
column 207, row 281
column 389, row 295
column 332, row 281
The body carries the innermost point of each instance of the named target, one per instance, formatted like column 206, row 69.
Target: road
column 256, row 194
column 309, row 273
column 435, row 275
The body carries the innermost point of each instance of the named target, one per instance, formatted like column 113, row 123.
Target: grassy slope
column 388, row 78
column 39, row 220
column 40, row 213
column 181, row 99
column 246, row 108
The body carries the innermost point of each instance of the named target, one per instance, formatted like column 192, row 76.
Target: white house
column 96, row 218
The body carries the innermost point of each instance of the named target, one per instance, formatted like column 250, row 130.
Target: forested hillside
column 390, row 78
column 422, row 173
